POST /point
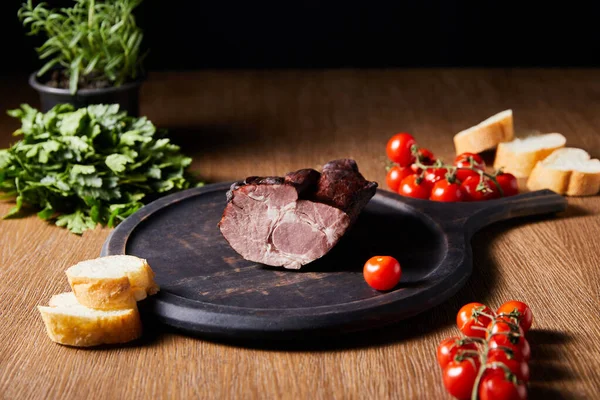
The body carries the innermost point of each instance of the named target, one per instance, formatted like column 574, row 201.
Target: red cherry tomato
column 395, row 175
column 474, row 191
column 464, row 160
column 459, row 377
column 451, row 347
column 414, row 186
column 382, row 272
column 446, row 192
column 495, row 386
column 508, row 183
column 471, row 322
column 517, row 312
column 518, row 367
column 399, row 147
column 425, row 156
column 432, row 175
column 520, row 351
column 505, row 327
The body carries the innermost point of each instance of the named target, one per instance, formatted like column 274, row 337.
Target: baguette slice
column 567, row 171
column 486, row 135
column 520, row 156
column 112, row 282
column 69, row 323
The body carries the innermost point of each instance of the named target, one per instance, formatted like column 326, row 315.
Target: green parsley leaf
column 89, row 166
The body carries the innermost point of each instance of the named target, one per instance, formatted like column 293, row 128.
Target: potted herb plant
column 92, row 53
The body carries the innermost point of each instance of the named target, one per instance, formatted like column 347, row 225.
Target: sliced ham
column 293, row 220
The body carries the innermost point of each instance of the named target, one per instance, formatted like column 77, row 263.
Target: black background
column 186, row 35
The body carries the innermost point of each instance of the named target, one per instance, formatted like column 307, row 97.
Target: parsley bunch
column 90, row 165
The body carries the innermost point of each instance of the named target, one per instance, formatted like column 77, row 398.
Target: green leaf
column 76, row 222
column 116, row 162
column 130, row 138
column 46, row 213
column 71, row 122
column 74, row 69
column 46, row 67
column 15, row 210
column 82, row 170
column 5, row 159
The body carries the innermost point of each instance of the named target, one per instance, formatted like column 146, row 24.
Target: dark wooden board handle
column 471, row 217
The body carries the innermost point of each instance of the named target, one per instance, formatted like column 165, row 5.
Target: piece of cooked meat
column 293, row 220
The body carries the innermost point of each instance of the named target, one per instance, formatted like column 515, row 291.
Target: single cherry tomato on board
column 382, row 272
column 451, row 347
column 446, row 192
column 520, row 351
column 518, row 367
column 395, row 175
column 517, row 312
column 459, row 377
column 432, row 175
column 508, row 183
column 399, row 149
column 415, row 186
column 495, row 386
column 471, row 321
column 425, row 157
column 464, row 161
column 476, row 189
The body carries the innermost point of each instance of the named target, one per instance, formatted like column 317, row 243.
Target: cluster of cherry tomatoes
column 417, row 173
column 490, row 362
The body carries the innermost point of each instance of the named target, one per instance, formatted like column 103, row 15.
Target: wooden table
column 241, row 123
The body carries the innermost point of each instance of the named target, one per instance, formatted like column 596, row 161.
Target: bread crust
column 103, row 293
column 113, row 293
column 519, row 164
column 583, row 184
column 570, row 183
column 484, row 137
column 87, row 331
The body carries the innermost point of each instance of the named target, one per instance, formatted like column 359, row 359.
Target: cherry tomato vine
column 414, row 171
column 491, row 360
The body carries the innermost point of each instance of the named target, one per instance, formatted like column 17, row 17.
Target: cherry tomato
column 382, row 272
column 450, row 347
column 471, row 322
column 395, row 175
column 495, row 386
column 399, row 149
column 504, row 327
column 432, row 175
column 518, row 367
column 517, row 312
column 425, row 156
column 508, row 183
column 459, row 377
column 446, row 191
column 520, row 351
column 471, row 185
column 415, row 186
column 463, row 161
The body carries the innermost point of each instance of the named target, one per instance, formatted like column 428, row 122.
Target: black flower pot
column 126, row 95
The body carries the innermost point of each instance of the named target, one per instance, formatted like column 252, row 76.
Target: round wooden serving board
column 208, row 289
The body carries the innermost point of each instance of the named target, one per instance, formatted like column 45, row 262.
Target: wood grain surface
column 243, row 123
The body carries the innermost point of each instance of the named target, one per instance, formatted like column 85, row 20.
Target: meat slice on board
column 293, row 220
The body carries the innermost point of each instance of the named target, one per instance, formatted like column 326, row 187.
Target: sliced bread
column 112, row 282
column 486, row 135
column 567, row 171
column 69, row 323
column 519, row 156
